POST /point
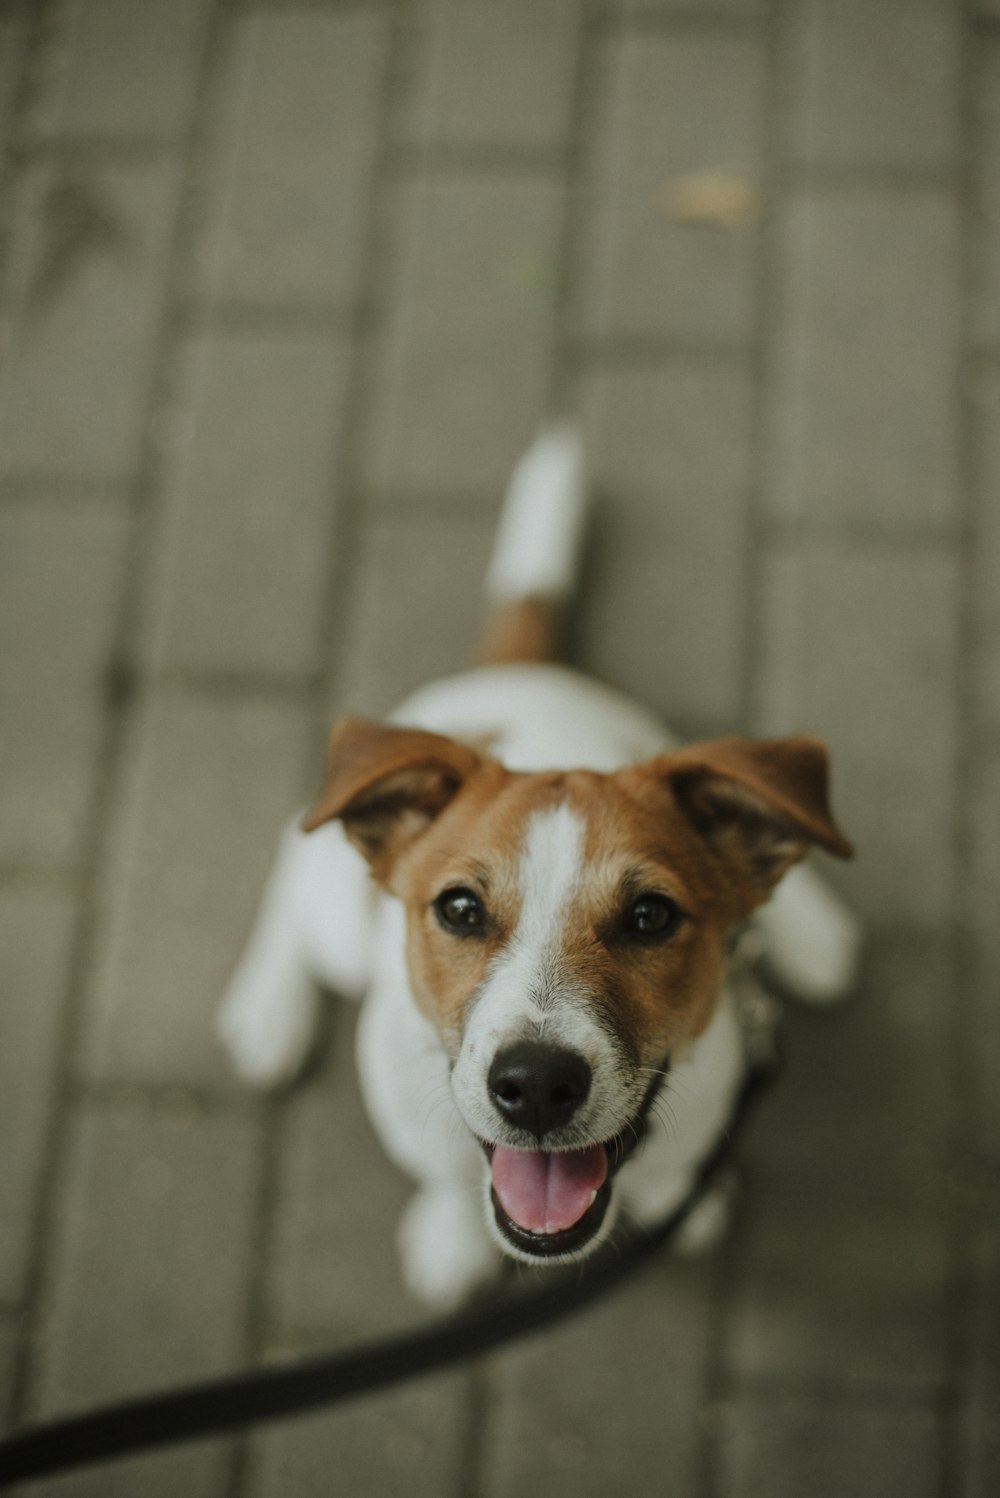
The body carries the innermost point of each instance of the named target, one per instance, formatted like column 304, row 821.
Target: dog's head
column 567, row 933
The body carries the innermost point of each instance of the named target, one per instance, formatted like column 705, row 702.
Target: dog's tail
column 535, row 560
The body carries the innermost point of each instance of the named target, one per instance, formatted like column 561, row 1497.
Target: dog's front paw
column 708, row 1221
column 446, row 1251
column 268, row 1032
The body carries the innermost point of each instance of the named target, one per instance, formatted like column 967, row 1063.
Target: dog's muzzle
column 552, row 1204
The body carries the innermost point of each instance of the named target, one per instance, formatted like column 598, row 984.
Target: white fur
column 541, row 527
column 320, row 921
column 528, row 992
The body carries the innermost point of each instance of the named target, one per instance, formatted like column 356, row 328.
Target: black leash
column 228, row 1404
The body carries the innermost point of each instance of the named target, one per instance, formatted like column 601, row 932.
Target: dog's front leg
column 445, row 1246
column 313, row 926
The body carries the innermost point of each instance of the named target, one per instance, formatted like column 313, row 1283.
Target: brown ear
column 760, row 803
column 387, row 784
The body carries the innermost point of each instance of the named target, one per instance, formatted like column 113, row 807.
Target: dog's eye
column 653, row 915
column 460, row 910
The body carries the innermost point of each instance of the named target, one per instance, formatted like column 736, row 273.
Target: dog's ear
column 387, row 784
column 759, row 803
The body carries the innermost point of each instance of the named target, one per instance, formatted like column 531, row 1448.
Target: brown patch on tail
column 526, row 629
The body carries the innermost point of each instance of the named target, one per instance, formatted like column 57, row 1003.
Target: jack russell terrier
column 536, row 889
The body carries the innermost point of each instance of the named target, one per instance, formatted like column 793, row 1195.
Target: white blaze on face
column 549, row 874
column 527, row 990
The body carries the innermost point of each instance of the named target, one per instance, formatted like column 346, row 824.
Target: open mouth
column 549, row 1204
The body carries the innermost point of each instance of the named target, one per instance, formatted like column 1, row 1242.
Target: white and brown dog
column 536, row 890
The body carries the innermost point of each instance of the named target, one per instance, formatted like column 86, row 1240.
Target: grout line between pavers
column 875, row 534
column 600, row 351
column 120, row 708
column 767, row 272
column 199, row 314
column 589, row 87
column 845, row 1394
column 483, row 161
column 717, row 1381
column 359, row 328
column 21, row 104
column 655, row 21
column 961, row 1304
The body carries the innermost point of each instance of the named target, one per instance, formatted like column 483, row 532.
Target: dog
column 536, row 888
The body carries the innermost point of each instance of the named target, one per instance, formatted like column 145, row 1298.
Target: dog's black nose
column 538, row 1087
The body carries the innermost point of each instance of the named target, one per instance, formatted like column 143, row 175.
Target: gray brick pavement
column 89, row 255
column 465, row 358
column 731, row 235
column 7, row 1343
column 206, row 787
column 247, row 525
column 294, row 138
column 407, row 1443
column 149, row 1272
column 789, row 1445
column 672, row 471
column 891, row 682
column 986, row 177
column 36, row 937
column 496, row 76
column 611, row 1402
column 873, row 86
column 332, row 1265
column 411, row 565
column 61, row 573
column 683, row 118
column 981, row 881
column 863, row 413
column 119, row 71
column 986, row 559
column 13, row 40
column 843, row 1275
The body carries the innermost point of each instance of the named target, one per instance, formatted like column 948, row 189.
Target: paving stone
column 862, row 419
column 859, row 645
column 980, row 1427
column 843, row 1267
column 696, row 9
column 333, row 1267
column 985, row 220
column 982, row 789
column 786, row 1446
column 60, row 575
column 662, row 610
column 673, row 243
column 334, row 1278
column 599, row 1405
column 125, row 69
column 8, row 1345
column 462, row 379
column 873, row 86
column 14, row 25
column 207, row 787
column 417, row 612
column 89, row 257
column 401, row 1443
column 36, row 931
column 247, row 530
column 986, row 556
column 294, row 143
column 150, row 1275
column 497, row 75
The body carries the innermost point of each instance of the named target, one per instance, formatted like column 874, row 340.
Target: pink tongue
column 548, row 1193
